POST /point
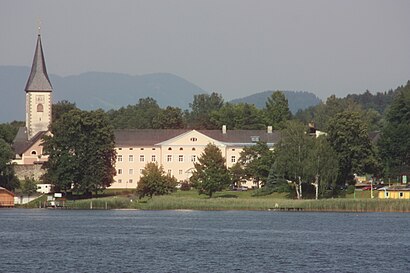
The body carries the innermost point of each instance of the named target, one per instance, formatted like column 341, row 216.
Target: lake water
column 39, row 240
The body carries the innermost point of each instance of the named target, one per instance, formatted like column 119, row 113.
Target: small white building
column 44, row 188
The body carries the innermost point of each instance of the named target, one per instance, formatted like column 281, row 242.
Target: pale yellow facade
column 394, row 194
column 38, row 112
column 176, row 155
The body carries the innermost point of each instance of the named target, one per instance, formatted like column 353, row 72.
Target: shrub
column 185, row 186
column 350, row 189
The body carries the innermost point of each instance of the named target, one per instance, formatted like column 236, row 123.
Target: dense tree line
column 394, row 144
column 298, row 161
column 207, row 112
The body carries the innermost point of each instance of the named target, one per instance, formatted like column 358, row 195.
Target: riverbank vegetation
column 232, row 200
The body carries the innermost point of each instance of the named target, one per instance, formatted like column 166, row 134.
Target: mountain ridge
column 298, row 100
column 93, row 90
column 111, row 90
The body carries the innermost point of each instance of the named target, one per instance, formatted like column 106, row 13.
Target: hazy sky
column 234, row 47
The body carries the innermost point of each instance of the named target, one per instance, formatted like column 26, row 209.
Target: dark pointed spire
column 38, row 80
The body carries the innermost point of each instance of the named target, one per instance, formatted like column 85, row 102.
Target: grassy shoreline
column 237, row 201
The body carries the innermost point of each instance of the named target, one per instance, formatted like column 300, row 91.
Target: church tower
column 38, row 94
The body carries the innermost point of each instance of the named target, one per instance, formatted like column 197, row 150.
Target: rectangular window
column 131, row 171
column 180, row 171
column 401, row 194
column 169, row 158
column 130, row 158
column 193, row 158
column 142, row 158
column 119, row 158
column 119, row 171
column 181, row 158
column 153, row 158
column 130, row 181
column 141, row 170
column 169, row 172
column 233, row 159
column 119, row 180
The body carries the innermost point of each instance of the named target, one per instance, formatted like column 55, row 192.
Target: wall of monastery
column 32, row 171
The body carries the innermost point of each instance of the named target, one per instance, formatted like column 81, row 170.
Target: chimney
column 269, row 131
column 224, row 129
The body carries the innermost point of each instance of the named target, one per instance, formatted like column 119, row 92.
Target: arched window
column 33, row 152
column 40, row 108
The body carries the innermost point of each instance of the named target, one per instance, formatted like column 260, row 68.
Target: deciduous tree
column 210, row 173
column 81, row 152
column 292, row 155
column 169, row 118
column 257, row 160
column 8, row 179
column 394, row 143
column 202, row 107
column 348, row 136
column 154, row 181
column 61, row 108
column 242, row 116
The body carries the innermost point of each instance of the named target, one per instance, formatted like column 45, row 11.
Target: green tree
column 210, row 174
column 7, row 132
column 348, row 136
column 169, row 118
column 292, row 156
column 28, row 186
column 61, row 108
column 322, row 114
column 81, row 152
column 257, row 161
column 394, row 143
column 140, row 116
column 155, row 182
column 323, row 166
column 202, row 107
column 277, row 110
column 242, row 116
column 237, row 175
column 8, row 179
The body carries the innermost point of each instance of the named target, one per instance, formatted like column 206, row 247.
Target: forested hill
column 298, row 100
column 95, row 90
column 379, row 102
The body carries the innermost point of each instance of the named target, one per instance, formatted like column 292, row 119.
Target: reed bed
column 99, row 203
column 241, row 201
column 357, row 205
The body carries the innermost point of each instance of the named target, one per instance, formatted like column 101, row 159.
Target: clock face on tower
column 39, row 98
